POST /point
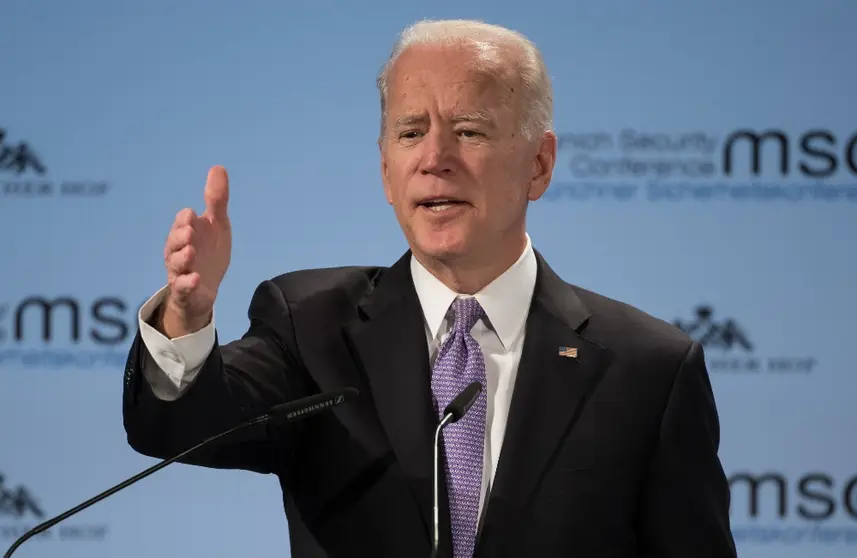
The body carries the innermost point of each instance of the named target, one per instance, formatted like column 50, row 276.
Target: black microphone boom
column 456, row 409
column 282, row 413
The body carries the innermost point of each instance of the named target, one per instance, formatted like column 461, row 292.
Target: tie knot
column 466, row 312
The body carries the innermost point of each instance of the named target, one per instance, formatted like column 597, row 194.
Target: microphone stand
column 456, row 409
column 435, row 536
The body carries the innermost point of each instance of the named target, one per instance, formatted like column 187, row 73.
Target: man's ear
column 543, row 165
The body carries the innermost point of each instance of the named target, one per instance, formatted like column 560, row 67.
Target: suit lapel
column 389, row 344
column 550, row 392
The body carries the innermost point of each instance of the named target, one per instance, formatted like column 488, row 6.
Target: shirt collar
column 506, row 300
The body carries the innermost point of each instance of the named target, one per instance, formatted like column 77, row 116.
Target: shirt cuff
column 181, row 357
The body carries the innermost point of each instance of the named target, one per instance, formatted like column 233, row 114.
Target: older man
column 597, row 432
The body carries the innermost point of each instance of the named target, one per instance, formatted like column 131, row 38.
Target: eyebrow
column 409, row 120
column 477, row 116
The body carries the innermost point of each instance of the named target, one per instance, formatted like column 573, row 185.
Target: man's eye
column 469, row 133
column 410, row 134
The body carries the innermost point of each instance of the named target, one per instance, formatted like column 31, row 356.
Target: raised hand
column 197, row 254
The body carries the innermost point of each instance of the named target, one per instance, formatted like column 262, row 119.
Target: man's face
column 455, row 166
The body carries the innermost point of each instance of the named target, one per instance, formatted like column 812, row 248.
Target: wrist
column 175, row 322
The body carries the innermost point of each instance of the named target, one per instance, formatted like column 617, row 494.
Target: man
column 596, row 434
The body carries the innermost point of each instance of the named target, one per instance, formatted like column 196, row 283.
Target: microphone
column 278, row 414
column 456, row 409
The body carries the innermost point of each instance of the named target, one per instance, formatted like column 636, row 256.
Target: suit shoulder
column 312, row 283
column 626, row 328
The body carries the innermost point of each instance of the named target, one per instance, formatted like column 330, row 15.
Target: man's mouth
column 441, row 204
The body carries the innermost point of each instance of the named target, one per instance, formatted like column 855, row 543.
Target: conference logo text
column 24, row 174
column 743, row 164
column 729, row 347
column 21, row 511
column 66, row 331
column 772, row 507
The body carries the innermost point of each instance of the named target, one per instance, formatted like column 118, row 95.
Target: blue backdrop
column 707, row 174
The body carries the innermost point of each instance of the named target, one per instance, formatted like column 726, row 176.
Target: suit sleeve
column 685, row 510
column 238, row 381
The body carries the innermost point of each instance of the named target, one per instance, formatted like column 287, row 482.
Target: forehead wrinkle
column 481, row 77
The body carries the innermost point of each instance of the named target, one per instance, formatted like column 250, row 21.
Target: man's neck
column 469, row 275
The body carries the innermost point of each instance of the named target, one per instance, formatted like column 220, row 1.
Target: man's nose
column 439, row 153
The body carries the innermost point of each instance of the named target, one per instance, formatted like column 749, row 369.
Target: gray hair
column 529, row 65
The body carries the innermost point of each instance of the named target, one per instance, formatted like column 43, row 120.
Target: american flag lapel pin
column 568, row 352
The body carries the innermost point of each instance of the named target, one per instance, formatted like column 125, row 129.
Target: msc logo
column 813, row 496
column 40, row 331
column 18, row 158
column 771, row 508
column 740, row 165
column 708, row 333
column 816, row 153
column 18, row 502
column 37, row 318
column 726, row 337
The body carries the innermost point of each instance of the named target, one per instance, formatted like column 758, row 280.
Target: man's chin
column 443, row 247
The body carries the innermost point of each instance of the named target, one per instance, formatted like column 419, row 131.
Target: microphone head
column 459, row 406
column 308, row 406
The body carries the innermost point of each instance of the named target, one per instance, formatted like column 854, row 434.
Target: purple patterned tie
column 459, row 363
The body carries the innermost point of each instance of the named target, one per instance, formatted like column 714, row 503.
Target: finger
column 217, row 193
column 185, row 284
column 178, row 239
column 184, row 217
column 181, row 262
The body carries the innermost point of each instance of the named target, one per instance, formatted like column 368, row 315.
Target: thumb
column 216, row 193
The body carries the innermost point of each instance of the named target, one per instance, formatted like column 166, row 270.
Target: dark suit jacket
column 610, row 454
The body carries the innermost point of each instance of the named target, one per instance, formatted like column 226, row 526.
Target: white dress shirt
column 506, row 302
